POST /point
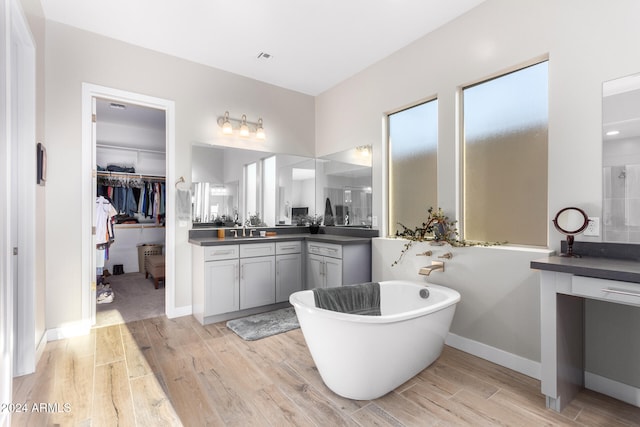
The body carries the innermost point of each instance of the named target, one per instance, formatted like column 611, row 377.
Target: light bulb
column 244, row 128
column 227, row 129
column 260, row 130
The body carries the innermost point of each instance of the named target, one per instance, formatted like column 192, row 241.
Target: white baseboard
column 180, row 311
column 40, row 347
column 615, row 389
column 495, row 355
column 75, row 329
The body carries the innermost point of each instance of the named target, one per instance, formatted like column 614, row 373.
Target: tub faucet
column 435, row 266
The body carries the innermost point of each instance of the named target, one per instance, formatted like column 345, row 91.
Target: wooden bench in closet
column 154, row 266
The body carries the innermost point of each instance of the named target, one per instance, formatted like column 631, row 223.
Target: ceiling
column 313, row 45
column 621, row 108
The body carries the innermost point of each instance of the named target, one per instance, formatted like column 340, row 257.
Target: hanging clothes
column 131, row 195
column 104, row 214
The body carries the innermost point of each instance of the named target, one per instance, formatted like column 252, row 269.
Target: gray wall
column 587, row 43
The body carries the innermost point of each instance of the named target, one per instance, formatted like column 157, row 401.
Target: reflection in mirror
column 571, row 221
column 343, row 188
column 296, row 189
column 621, row 159
column 233, row 186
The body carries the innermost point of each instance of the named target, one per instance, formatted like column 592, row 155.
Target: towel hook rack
column 180, row 181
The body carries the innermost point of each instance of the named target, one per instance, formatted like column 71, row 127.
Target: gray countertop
column 601, row 268
column 327, row 238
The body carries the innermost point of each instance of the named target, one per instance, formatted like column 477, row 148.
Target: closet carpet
column 134, row 299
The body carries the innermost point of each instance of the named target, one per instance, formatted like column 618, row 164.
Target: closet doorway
column 131, row 198
column 130, row 142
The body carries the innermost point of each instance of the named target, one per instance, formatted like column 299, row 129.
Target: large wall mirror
column 621, row 159
column 343, row 188
column 233, row 186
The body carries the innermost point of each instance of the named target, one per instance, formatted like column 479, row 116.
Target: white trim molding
column 618, row 390
column 90, row 91
column 512, row 361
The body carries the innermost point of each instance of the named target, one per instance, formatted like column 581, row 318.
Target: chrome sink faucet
column 435, row 266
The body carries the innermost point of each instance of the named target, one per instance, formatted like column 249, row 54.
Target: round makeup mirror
column 571, row 221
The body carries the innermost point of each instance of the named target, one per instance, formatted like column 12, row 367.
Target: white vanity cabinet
column 288, row 269
column 216, row 281
column 331, row 264
column 257, row 275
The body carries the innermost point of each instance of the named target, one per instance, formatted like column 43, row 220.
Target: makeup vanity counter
column 564, row 284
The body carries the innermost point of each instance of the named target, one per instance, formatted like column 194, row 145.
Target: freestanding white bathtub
column 365, row 357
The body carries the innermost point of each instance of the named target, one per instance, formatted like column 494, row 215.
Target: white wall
column 587, row 43
column 200, row 93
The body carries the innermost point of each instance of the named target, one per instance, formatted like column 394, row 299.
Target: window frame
column 388, row 157
column 461, row 143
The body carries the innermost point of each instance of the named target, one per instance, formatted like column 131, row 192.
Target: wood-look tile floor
column 173, row 372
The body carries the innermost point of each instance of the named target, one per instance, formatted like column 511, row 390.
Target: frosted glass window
column 413, row 173
column 505, row 158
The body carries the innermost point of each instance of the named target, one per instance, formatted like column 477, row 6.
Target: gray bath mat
column 263, row 325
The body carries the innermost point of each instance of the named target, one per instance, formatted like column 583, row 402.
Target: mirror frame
column 571, row 233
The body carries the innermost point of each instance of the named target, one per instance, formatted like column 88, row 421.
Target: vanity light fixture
column 227, row 128
column 260, row 130
column 244, row 127
column 613, row 133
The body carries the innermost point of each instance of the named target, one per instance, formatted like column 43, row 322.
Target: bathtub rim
column 452, row 298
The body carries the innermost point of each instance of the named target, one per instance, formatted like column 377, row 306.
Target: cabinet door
column 315, row 271
column 221, row 287
column 288, row 276
column 332, row 272
column 257, row 281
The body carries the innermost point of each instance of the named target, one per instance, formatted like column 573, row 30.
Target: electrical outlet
column 593, row 229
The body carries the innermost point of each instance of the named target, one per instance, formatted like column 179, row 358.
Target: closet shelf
column 130, row 175
column 139, row 225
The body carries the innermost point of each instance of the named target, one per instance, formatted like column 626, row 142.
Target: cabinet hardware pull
column 621, row 292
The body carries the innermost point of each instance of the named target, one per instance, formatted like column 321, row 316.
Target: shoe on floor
column 105, row 297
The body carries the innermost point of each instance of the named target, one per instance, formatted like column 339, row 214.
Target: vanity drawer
column 325, row 249
column 606, row 290
column 283, row 248
column 214, row 253
column 257, row 249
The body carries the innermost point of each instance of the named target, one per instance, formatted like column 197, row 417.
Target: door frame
column 89, row 92
column 23, row 124
column 17, row 156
